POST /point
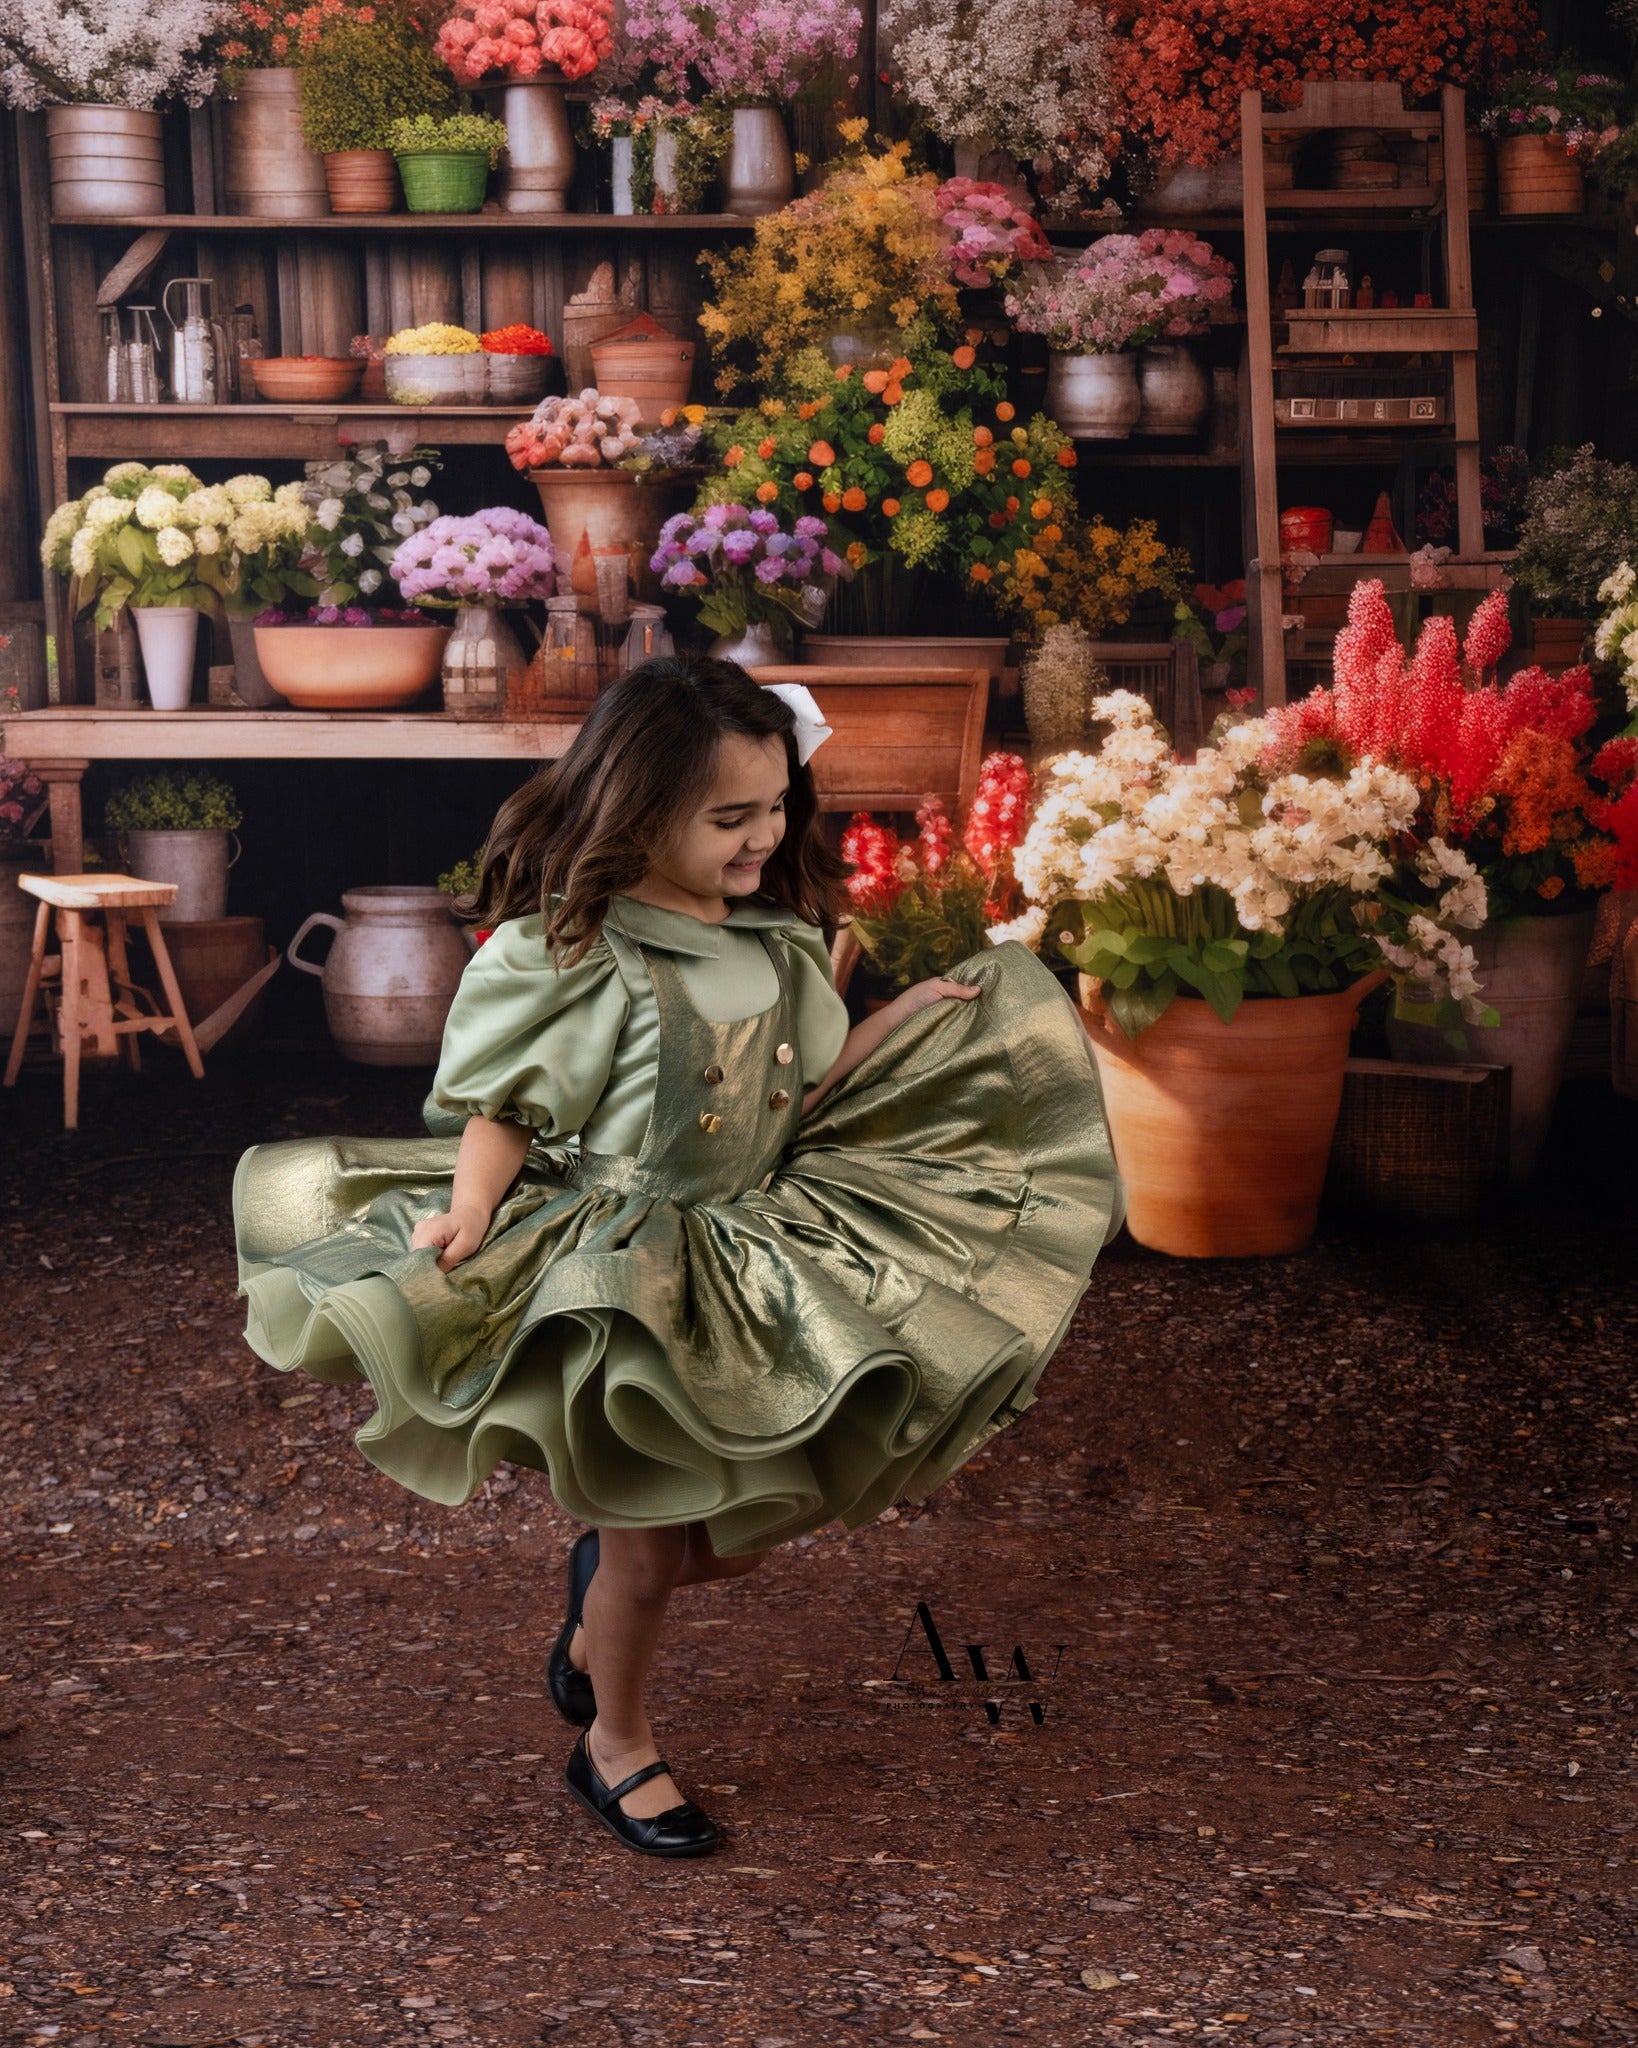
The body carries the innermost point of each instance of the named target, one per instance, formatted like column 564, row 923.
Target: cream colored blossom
column 175, row 547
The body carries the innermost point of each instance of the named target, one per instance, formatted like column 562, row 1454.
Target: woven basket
column 1426, row 1142
column 445, row 182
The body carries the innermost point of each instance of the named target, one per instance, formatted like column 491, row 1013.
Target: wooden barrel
column 212, row 959
column 1536, row 174
column 268, row 170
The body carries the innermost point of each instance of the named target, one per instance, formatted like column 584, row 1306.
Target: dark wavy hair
column 589, row 826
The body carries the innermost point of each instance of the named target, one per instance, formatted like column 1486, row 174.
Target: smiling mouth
column 744, row 867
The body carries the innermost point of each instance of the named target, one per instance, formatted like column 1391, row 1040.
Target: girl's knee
column 639, row 1564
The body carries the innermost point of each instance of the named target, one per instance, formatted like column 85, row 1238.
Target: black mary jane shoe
column 685, row 1830
column 571, row 1690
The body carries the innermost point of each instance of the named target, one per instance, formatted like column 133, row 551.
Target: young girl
column 722, row 1268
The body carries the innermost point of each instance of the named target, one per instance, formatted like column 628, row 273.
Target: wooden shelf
column 92, row 732
column 1122, row 455
column 299, row 432
column 1392, row 330
column 414, row 223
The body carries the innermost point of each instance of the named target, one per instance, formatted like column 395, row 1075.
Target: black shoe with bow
column 685, row 1830
column 571, row 1690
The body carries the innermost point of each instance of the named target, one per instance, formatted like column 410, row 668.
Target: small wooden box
column 1426, row 1142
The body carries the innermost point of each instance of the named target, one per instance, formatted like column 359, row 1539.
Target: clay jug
column 390, row 976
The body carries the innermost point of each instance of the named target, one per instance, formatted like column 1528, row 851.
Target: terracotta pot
column 1094, row 398
column 644, row 361
column 589, row 509
column 361, row 181
column 350, row 668
column 1557, row 643
column 267, row 170
column 1222, row 1131
column 1175, row 389
column 1537, row 174
column 391, row 974
column 1530, row 971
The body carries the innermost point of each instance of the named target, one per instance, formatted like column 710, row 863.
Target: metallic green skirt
column 840, row 1337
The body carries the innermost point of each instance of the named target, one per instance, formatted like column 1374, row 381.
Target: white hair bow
column 811, row 729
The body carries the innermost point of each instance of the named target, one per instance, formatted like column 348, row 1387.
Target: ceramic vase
column 168, row 634
column 1174, row 387
column 759, row 172
column 539, row 148
column 1094, row 397
column 755, row 647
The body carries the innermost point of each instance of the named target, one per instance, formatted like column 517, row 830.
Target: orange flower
column 892, row 394
column 832, row 501
column 843, row 372
column 938, row 501
column 766, row 492
column 802, row 480
column 984, row 461
column 821, row 455
column 733, row 457
column 766, row 449
column 1012, row 504
column 980, row 572
column 668, row 418
column 920, row 473
column 1041, row 509
column 998, row 520
column 1067, row 458
column 877, row 434
column 808, row 407
column 875, row 382
column 854, row 499
column 899, row 368
column 1553, row 886
column 964, row 357
column 1021, row 467
column 890, row 508
column 1052, row 534
column 1006, row 410
column 982, row 437
column 857, row 554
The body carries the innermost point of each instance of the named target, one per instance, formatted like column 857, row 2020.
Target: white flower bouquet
column 120, row 53
column 1218, row 879
column 1615, row 639
column 142, row 537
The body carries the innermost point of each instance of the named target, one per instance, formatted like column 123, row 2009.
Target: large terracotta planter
column 1530, row 971
column 350, row 668
column 589, row 509
column 1537, row 174
column 1222, row 1131
column 361, row 180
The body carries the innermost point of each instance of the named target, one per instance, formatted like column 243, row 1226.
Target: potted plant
column 174, row 827
column 990, row 230
column 663, row 152
column 920, row 906
column 1096, row 309
column 460, row 884
column 1506, row 776
column 101, row 71
column 355, row 647
column 264, row 540
column 1580, row 523
column 358, row 78
column 1547, row 126
column 1030, row 78
column 150, row 539
column 752, row 573
column 1504, row 482
column 444, row 160
column 530, row 48
column 436, row 364
column 1212, row 618
column 750, row 62
column 1228, row 919
column 477, row 565
column 1084, row 568
column 517, row 363
column 599, row 497
column 1060, row 681
column 267, row 167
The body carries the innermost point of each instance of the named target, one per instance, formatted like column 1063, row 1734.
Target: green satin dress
column 694, row 1304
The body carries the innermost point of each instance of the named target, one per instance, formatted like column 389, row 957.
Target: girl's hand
column 864, row 1038
column 926, row 993
column 456, row 1235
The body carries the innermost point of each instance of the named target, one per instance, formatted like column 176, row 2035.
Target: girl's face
column 720, row 850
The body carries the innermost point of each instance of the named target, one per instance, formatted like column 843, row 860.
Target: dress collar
column 673, row 931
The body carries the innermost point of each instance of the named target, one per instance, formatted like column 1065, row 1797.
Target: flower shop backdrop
column 432, row 362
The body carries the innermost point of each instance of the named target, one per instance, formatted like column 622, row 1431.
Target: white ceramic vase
column 621, row 200
column 759, row 171
column 1094, row 397
column 539, row 148
column 755, row 647
column 168, row 634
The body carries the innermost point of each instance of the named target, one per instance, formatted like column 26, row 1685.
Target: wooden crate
column 1423, row 1142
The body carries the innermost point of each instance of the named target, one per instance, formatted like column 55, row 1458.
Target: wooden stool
column 99, row 1010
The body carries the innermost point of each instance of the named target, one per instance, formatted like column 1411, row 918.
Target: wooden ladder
column 1450, row 330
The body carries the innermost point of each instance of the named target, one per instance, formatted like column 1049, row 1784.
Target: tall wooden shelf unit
column 1448, row 332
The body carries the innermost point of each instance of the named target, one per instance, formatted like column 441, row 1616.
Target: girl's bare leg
column 625, row 1608
column 700, row 1563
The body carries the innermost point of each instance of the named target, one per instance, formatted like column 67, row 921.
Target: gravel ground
column 1320, row 1571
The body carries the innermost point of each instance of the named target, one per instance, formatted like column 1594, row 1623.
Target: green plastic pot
column 445, row 182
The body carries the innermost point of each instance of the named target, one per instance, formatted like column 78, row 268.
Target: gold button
column 780, row 1099
column 713, row 1074
column 784, row 1054
column 709, row 1123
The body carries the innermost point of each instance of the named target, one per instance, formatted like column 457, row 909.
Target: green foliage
column 364, row 507
column 362, row 77
column 1580, row 524
column 701, row 144
column 448, row 135
column 173, row 802
column 936, row 921
column 462, row 878
column 1149, row 946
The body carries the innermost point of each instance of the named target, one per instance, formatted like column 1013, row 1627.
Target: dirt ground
column 1321, row 1571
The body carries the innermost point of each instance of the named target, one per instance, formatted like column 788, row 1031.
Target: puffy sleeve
column 527, row 1041
column 821, row 1014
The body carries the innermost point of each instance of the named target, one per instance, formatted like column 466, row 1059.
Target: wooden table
column 59, row 744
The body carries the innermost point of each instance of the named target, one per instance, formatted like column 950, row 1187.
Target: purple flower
column 679, row 576
column 739, row 546
column 810, row 528
column 769, row 571
column 832, row 564
column 764, row 521
column 718, row 516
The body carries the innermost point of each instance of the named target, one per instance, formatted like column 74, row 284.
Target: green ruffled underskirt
column 841, row 1339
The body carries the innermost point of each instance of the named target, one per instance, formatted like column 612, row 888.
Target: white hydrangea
column 328, row 514
column 353, row 546
column 105, row 511
column 155, row 509
column 82, row 552
column 175, row 547
column 207, row 539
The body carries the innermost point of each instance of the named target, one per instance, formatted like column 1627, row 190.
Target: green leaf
column 1148, row 947
column 1124, row 975
column 1219, row 990
column 1278, row 970
column 131, row 551
column 1224, row 956
column 1135, row 1009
